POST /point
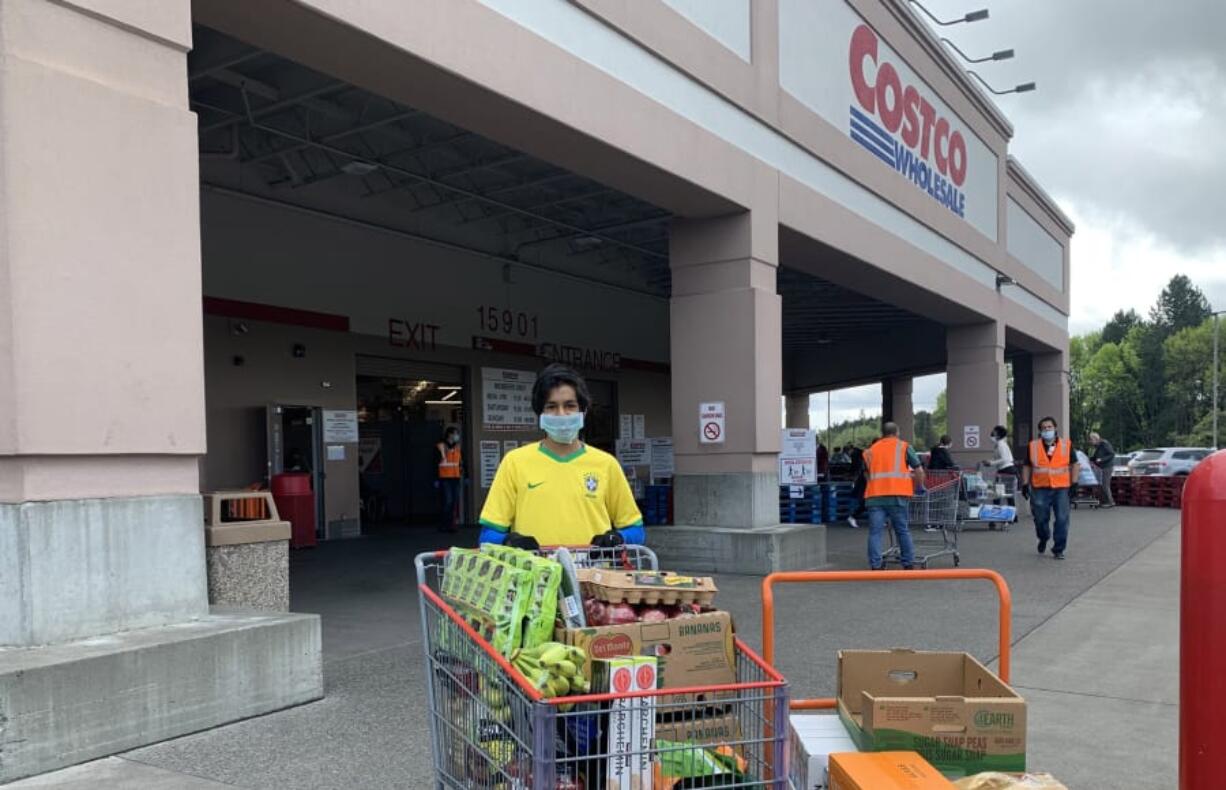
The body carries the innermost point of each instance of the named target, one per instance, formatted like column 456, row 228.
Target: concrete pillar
column 796, row 411
column 726, row 337
column 1023, row 428
column 102, row 399
column 1051, row 389
column 975, row 385
column 896, row 405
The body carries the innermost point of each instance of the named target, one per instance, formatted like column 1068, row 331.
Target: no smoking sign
column 711, row 421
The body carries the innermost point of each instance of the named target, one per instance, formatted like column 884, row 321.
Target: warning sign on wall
column 711, row 422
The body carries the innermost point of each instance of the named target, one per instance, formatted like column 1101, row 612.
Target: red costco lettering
column 903, row 107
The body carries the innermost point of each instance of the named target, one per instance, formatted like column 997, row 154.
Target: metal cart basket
column 935, row 509
column 490, row 729
column 986, row 488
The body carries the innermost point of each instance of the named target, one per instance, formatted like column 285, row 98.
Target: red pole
column 1202, row 626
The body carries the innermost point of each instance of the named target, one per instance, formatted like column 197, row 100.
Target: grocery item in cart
column 685, row 764
column 632, row 720
column 659, row 588
column 570, row 601
column 493, row 595
column 546, row 580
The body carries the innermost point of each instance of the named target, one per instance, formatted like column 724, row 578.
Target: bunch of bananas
column 553, row 668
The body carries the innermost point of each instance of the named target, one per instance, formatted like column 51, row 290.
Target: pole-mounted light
column 1025, row 87
column 972, row 16
column 1003, row 54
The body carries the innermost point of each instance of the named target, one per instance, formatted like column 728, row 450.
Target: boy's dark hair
column 554, row 376
column 1000, row 432
column 945, row 439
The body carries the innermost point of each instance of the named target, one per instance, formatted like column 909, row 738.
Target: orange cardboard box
column 884, row 771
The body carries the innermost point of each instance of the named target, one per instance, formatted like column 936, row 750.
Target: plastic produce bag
column 998, row 781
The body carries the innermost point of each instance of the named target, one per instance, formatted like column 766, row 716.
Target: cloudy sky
column 1125, row 131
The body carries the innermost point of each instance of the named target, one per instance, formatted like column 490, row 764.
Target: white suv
column 1168, row 461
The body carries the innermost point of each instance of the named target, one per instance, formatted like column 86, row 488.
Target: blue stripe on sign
column 885, row 136
column 884, row 148
column 873, row 149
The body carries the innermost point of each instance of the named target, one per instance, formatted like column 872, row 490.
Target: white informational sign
column 340, row 426
column 634, row 452
column 640, row 426
column 336, row 452
column 506, row 397
column 626, row 426
column 662, row 457
column 489, row 452
column 798, row 457
column 712, row 419
column 970, row 437
column 508, row 445
column 837, row 65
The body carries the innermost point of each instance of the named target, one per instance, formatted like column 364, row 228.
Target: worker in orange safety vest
column 1050, row 470
column 450, row 477
column 893, row 470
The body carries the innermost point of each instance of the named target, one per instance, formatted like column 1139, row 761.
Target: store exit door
column 295, row 444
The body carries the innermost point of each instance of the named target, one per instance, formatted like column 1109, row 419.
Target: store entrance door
column 404, row 408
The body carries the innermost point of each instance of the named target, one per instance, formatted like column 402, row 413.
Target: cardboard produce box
column 692, row 651
column 709, row 730
column 946, row 706
column 884, row 771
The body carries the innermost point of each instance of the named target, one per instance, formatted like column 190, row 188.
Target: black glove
column 525, row 542
column 1026, row 491
column 608, row 540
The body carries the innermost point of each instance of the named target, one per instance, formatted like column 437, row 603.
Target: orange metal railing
column 806, row 577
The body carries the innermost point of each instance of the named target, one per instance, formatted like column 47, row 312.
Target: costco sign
column 838, row 66
column 896, row 123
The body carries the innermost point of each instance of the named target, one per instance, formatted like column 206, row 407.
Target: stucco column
column 726, row 333
column 896, row 405
column 101, row 373
column 796, row 411
column 975, row 370
column 726, row 339
column 1051, row 389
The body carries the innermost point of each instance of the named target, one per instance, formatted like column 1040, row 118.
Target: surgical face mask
column 995, row 440
column 453, row 439
column 562, row 428
column 1048, row 434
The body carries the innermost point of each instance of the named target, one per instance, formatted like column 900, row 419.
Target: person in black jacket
column 940, row 457
column 1104, row 459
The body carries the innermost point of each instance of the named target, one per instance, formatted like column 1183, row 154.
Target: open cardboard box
column 946, row 706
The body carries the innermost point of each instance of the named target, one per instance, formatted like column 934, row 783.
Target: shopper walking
column 1002, row 458
column 450, row 477
column 893, row 471
column 1104, row 459
column 1051, row 469
column 560, row 490
column 855, row 458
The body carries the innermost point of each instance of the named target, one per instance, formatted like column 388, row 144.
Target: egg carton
column 653, row 588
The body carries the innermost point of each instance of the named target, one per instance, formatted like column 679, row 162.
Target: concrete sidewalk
column 1095, row 653
column 1102, row 679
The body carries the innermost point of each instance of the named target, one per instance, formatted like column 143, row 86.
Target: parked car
column 1122, row 461
column 1168, row 461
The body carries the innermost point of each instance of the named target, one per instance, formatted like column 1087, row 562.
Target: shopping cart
column 987, row 487
column 490, row 729
column 1085, row 492
column 935, row 509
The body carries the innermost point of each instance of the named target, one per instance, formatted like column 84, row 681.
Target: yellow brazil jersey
column 559, row 501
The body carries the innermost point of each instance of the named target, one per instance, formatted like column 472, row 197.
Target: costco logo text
column 900, row 127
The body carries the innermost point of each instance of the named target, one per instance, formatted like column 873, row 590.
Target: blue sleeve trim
column 635, row 533
column 492, row 535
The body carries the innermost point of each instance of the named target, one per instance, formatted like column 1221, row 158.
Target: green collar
column 562, row 459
